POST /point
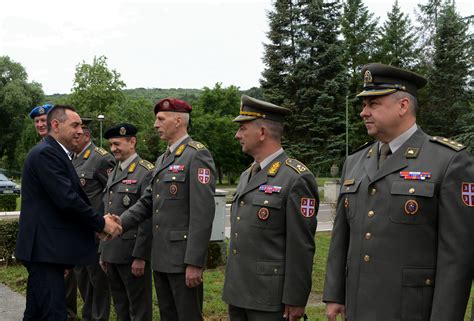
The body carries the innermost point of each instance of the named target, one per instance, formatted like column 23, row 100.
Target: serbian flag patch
column 204, row 175
column 308, row 206
column 467, row 193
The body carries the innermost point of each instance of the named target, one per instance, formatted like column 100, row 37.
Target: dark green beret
column 382, row 80
column 121, row 130
column 251, row 108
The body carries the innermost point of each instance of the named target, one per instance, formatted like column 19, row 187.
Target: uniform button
column 157, row 195
column 348, row 188
column 234, row 251
column 157, row 226
column 111, row 192
column 265, row 202
column 371, row 214
column 373, row 191
column 174, row 178
column 366, row 258
column 126, row 190
column 236, row 235
column 275, row 271
column 110, row 203
column 82, row 175
column 428, row 282
column 368, row 236
column 411, row 190
column 242, row 203
column 238, row 218
column 185, row 236
column 157, row 180
column 156, row 211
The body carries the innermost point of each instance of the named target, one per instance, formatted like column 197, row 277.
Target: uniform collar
column 270, row 158
column 177, row 143
column 85, row 148
column 400, row 140
column 123, row 165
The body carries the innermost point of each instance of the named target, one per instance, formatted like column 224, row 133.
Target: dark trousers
column 241, row 314
column 71, row 296
column 176, row 301
column 45, row 292
column 94, row 288
column 131, row 294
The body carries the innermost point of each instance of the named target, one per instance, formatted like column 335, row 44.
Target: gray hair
column 413, row 101
column 275, row 129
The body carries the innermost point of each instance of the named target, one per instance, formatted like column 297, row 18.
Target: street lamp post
column 100, row 118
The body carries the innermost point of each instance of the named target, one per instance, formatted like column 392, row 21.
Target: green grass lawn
column 214, row 308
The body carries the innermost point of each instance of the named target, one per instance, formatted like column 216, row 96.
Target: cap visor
column 376, row 92
column 243, row 118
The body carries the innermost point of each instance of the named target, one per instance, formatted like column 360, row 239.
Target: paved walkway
column 12, row 305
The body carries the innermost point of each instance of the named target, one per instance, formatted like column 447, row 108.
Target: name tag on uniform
column 421, row 176
column 269, row 189
column 176, row 168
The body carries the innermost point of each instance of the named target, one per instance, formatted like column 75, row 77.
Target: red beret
column 173, row 104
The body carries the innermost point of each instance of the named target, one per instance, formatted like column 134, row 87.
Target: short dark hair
column 58, row 112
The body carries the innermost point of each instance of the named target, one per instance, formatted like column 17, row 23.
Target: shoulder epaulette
column 149, row 166
column 298, row 166
column 101, row 151
column 363, row 146
column 196, row 145
column 448, row 142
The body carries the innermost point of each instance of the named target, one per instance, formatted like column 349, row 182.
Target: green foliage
column 17, row 98
column 8, row 202
column 8, row 232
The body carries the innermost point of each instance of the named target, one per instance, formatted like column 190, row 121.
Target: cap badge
column 166, row 104
column 468, row 194
column 263, row 213
column 367, row 77
column 308, row 207
column 122, row 131
column 41, row 111
column 411, row 207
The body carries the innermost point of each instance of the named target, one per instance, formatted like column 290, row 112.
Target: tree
column 96, row 88
column 17, row 98
column 397, row 41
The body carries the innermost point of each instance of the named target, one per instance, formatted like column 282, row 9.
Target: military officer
column 180, row 200
column 126, row 260
column 273, row 223
column 93, row 164
column 404, row 215
column 39, row 115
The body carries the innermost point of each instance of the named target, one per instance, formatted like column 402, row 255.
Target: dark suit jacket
column 401, row 249
column 57, row 223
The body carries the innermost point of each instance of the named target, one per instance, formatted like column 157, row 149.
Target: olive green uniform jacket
column 180, row 201
column 271, row 250
column 401, row 248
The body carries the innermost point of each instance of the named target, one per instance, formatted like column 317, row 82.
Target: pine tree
column 397, row 41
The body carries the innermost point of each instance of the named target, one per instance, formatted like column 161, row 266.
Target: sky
column 151, row 43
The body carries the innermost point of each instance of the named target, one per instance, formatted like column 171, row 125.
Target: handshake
column 112, row 227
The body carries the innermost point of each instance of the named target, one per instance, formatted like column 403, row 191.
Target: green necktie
column 255, row 169
column 385, row 152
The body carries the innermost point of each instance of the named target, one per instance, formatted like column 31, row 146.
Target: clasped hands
column 112, row 227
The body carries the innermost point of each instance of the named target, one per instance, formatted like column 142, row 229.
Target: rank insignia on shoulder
column 204, row 175
column 308, row 206
column 416, row 175
column 273, row 170
column 467, row 193
column 296, row 165
column 269, row 189
column 129, row 181
column 176, row 168
column 448, row 142
column 349, row 182
column 131, row 168
column 101, row 151
column 149, row 166
column 196, row 145
column 180, row 150
column 87, row 154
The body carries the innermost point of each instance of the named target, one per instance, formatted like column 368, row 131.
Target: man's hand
column 138, row 267
column 334, row 309
column 293, row 313
column 193, row 276
column 103, row 265
column 112, row 228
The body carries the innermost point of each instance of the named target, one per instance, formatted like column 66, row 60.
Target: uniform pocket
column 174, row 184
column 270, row 276
column 417, row 293
column 127, row 195
column 348, row 196
column 177, row 245
column 412, row 202
column 267, row 211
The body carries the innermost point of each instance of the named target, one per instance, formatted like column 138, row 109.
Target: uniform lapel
column 170, row 159
column 261, row 177
column 121, row 176
column 398, row 160
column 370, row 162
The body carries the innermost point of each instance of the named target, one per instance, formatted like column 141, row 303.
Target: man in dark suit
column 180, row 201
column 93, row 164
column 273, row 222
column 57, row 223
column 126, row 259
column 401, row 246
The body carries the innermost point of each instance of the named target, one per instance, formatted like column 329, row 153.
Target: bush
column 8, row 232
column 8, row 202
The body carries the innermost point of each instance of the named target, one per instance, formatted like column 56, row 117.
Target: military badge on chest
column 411, row 207
column 126, row 200
column 173, row 189
column 83, row 181
column 263, row 214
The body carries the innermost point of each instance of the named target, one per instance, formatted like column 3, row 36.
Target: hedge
column 8, row 202
column 8, row 232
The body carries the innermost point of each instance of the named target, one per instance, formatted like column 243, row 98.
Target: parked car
column 7, row 186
